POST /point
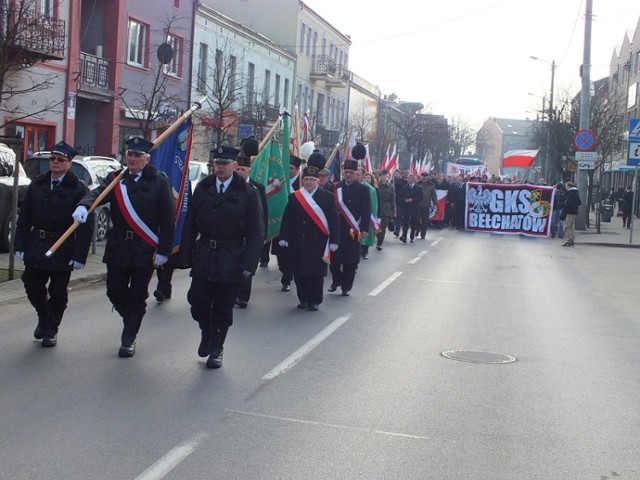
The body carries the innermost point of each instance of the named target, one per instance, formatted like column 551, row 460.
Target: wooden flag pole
column 296, row 130
column 265, row 141
column 121, row 175
column 332, row 156
column 346, row 144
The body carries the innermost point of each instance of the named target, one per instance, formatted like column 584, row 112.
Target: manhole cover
column 475, row 356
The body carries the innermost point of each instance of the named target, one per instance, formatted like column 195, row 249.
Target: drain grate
column 475, row 356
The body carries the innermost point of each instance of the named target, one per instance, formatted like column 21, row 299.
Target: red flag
column 437, row 211
column 519, row 158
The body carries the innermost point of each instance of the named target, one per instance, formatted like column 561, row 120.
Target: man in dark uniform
column 143, row 215
column 243, row 168
column 309, row 233
column 354, row 206
column 283, row 265
column 45, row 215
column 222, row 241
column 410, row 197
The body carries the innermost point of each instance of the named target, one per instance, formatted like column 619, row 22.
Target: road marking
column 435, row 242
column 417, row 258
column 384, row 284
column 292, row 359
column 172, row 459
column 324, row 424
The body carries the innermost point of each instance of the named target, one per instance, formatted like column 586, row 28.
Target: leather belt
column 45, row 234
column 215, row 244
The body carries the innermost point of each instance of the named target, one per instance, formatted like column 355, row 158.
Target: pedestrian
column 429, row 200
column 571, row 209
column 386, row 206
column 559, row 198
column 410, row 198
column 143, row 215
column 354, row 207
column 221, row 243
column 249, row 148
column 310, row 231
column 398, row 182
column 369, row 181
column 627, row 207
column 44, row 216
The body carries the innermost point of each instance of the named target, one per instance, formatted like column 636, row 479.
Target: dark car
column 91, row 170
column 7, row 162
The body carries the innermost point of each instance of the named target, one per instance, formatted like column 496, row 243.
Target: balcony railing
column 41, row 35
column 327, row 68
column 94, row 72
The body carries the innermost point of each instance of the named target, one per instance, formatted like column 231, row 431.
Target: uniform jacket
column 306, row 241
column 429, row 195
column 386, row 200
column 50, row 211
column 153, row 201
column 262, row 194
column 410, row 209
column 357, row 200
column 573, row 202
column 235, row 216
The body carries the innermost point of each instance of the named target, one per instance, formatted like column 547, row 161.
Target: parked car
column 197, row 171
column 92, row 170
column 7, row 162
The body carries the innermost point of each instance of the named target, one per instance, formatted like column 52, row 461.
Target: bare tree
column 462, row 136
column 28, row 37
column 362, row 122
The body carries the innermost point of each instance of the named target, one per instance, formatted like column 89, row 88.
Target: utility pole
column 585, row 109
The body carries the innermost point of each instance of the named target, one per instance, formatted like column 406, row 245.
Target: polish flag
column 368, row 168
column 519, row 158
column 437, row 211
column 305, row 127
column 393, row 161
column 385, row 160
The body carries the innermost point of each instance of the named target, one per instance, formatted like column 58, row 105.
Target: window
column 233, row 65
column 202, row 67
column 46, row 7
column 174, row 68
column 309, row 33
column 251, row 78
column 276, row 99
column 267, row 86
column 320, row 109
column 305, row 104
column 299, row 95
column 285, row 95
column 302, row 33
column 176, row 3
column 138, row 41
column 219, row 73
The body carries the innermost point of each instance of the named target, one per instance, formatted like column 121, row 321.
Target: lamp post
column 547, row 157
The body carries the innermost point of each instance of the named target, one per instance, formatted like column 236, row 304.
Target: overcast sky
column 470, row 58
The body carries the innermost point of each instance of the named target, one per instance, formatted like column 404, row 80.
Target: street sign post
column 586, row 160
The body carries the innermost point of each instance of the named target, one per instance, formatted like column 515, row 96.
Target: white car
column 7, row 180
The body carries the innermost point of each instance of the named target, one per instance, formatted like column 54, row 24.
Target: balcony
column 37, row 37
column 325, row 68
column 93, row 81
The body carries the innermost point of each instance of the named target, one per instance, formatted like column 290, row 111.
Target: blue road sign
column 633, row 148
column 584, row 140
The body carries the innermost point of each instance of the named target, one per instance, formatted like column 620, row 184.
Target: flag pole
column 121, row 175
column 332, row 156
column 267, row 138
column 296, row 129
column 346, row 144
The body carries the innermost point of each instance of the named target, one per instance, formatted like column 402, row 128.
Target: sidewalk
column 612, row 234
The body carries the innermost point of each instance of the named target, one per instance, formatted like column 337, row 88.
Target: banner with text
column 509, row 209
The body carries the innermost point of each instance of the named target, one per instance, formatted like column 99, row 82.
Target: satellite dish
column 165, row 53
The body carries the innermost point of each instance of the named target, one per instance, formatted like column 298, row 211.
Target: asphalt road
column 359, row 389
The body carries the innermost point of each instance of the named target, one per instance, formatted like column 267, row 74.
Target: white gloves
column 80, row 214
column 159, row 260
column 76, row 265
column 333, row 247
column 283, row 243
column 246, row 274
column 20, row 255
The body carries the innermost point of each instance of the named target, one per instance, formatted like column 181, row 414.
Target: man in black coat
column 45, row 215
column 310, row 231
column 410, row 198
column 143, row 215
column 571, row 208
column 354, row 207
column 221, row 242
column 243, row 168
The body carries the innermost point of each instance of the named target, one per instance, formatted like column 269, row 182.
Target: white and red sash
column 347, row 215
column 375, row 223
column 314, row 211
column 132, row 218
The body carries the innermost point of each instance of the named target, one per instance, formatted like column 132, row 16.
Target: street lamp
column 549, row 115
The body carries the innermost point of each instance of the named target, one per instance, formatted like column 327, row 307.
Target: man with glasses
column 143, row 215
column 45, row 215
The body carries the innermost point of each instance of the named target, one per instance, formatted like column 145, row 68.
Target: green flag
column 271, row 169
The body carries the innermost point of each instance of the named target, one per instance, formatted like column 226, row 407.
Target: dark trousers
column 128, row 289
column 50, row 303
column 164, row 280
column 423, row 222
column 343, row 275
column 409, row 222
column 285, row 268
column 212, row 307
column 244, row 292
column 309, row 289
column 265, row 255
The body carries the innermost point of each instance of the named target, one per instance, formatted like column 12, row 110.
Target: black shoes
column 38, row 333
column 411, row 241
column 378, row 247
column 333, row 287
column 286, row 287
column 365, row 256
column 205, row 344
column 241, row 303
column 126, row 350
column 567, row 244
column 264, row 264
column 403, row 239
column 346, row 293
column 302, row 305
column 313, row 307
column 50, row 340
column 215, row 359
column 160, row 296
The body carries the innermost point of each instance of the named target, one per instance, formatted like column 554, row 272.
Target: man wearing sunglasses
column 45, row 215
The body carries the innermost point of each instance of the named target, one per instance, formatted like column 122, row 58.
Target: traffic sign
column 586, row 160
column 633, row 148
column 584, row 140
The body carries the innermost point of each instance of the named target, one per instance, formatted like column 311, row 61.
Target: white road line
column 292, row 359
column 384, row 284
column 324, row 424
column 417, row 258
column 172, row 459
column 435, row 242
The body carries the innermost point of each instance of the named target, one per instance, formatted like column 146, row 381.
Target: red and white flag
column 519, row 158
column 393, row 161
column 385, row 160
column 305, row 127
column 368, row 168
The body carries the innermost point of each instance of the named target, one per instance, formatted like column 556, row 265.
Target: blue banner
column 172, row 158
